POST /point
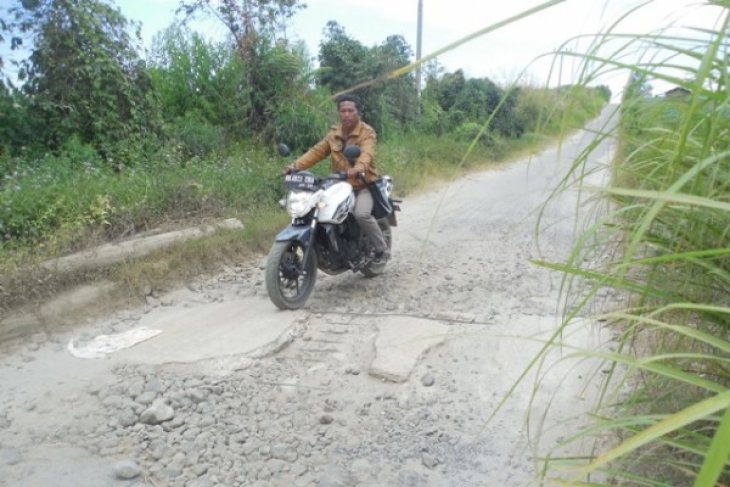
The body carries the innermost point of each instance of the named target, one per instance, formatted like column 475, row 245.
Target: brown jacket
column 363, row 135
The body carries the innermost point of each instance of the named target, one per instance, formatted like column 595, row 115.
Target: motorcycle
column 323, row 233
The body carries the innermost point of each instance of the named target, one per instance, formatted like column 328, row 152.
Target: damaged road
column 384, row 381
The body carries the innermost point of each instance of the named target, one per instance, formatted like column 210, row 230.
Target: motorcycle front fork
column 310, row 245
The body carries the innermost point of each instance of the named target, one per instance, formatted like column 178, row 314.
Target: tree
column 17, row 125
column 83, row 76
column 194, row 75
column 637, row 89
column 249, row 21
column 446, row 90
column 453, row 100
column 343, row 60
column 255, row 26
column 400, row 95
column 345, row 63
column 439, row 101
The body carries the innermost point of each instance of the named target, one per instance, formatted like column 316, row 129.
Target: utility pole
column 419, row 35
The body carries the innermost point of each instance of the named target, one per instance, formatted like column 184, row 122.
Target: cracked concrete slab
column 115, row 252
column 400, row 342
column 211, row 330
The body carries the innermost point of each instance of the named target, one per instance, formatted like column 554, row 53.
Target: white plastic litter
column 102, row 345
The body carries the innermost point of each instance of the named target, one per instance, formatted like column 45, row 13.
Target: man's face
column 349, row 116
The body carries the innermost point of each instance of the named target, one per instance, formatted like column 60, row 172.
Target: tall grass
column 664, row 415
column 60, row 199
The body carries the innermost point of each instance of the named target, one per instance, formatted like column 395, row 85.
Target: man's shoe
column 380, row 257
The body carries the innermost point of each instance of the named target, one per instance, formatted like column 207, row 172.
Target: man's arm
column 368, row 143
column 318, row 152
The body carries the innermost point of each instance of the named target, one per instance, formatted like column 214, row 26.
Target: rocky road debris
column 157, row 413
column 127, row 470
column 385, row 381
column 252, row 428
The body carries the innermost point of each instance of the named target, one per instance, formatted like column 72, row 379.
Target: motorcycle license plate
column 300, row 181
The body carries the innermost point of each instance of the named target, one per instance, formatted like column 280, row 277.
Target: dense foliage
column 674, row 193
column 83, row 78
column 270, row 70
column 453, row 102
column 664, row 414
column 345, row 62
column 96, row 141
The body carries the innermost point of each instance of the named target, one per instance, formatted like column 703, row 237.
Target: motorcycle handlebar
column 339, row 175
column 343, row 175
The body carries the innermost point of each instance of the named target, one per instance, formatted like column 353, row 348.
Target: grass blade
column 696, row 412
column 717, row 455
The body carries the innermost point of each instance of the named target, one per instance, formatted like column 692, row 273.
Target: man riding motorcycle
column 351, row 131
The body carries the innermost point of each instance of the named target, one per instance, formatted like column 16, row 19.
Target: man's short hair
column 349, row 97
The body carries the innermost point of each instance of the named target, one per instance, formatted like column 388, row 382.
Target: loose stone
column 127, row 418
column 283, row 451
column 127, row 470
column 146, row 397
column 428, row 380
column 429, row 460
column 158, row 413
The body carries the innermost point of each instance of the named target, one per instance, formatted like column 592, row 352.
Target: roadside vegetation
column 106, row 145
column 99, row 144
column 664, row 416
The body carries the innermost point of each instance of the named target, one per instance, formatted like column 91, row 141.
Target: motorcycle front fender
column 300, row 233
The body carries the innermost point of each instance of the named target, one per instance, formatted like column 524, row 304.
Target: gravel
column 310, row 414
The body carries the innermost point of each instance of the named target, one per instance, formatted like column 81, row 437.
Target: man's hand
column 353, row 173
column 289, row 169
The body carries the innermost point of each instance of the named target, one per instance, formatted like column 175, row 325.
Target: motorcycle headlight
column 298, row 203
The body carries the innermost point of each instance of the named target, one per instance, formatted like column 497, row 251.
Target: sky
column 502, row 55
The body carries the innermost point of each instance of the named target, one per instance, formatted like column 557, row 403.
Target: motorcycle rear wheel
column 290, row 280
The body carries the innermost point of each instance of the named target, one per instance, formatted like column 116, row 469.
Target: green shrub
column 471, row 131
column 302, row 122
column 194, row 136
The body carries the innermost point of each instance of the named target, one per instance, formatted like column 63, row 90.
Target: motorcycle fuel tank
column 337, row 201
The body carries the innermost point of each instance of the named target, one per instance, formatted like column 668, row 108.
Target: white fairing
column 337, row 201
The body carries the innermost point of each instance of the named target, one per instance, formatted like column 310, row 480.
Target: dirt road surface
column 377, row 382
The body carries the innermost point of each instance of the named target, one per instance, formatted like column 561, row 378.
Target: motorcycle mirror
column 283, row 150
column 351, row 152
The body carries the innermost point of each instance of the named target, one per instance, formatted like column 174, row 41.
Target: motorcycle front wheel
column 290, row 280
